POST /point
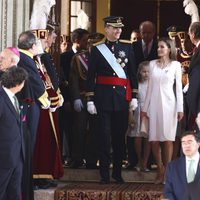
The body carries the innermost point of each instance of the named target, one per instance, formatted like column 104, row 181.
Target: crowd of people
column 113, row 100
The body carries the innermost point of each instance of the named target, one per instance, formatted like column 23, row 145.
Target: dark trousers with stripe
column 112, row 126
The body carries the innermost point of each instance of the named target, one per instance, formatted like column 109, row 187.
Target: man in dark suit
column 9, row 57
column 193, row 191
column 146, row 48
column 111, row 92
column 34, row 92
column 193, row 94
column 184, row 170
column 11, row 136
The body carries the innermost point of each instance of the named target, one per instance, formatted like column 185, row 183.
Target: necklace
column 162, row 65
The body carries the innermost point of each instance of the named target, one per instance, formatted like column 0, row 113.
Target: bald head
column 147, row 31
column 8, row 58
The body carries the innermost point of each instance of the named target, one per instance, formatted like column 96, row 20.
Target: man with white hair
column 8, row 57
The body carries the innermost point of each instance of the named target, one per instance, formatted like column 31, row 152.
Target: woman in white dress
column 164, row 103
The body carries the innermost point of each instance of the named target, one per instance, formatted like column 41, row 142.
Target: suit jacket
column 31, row 92
column 34, row 87
column 65, row 65
column 11, row 138
column 138, row 51
column 193, row 191
column 176, row 180
column 193, row 94
column 110, row 97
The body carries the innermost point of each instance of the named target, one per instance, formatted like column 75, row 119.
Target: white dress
column 135, row 131
column 161, row 104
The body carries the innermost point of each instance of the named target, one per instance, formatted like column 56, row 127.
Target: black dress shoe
column 118, row 179
column 129, row 167
column 104, row 181
column 77, row 164
column 91, row 166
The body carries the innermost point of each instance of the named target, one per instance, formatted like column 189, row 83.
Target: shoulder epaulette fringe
column 125, row 41
column 100, row 42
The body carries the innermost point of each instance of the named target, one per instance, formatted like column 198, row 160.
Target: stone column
column 14, row 19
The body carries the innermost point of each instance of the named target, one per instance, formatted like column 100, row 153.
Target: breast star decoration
column 122, row 60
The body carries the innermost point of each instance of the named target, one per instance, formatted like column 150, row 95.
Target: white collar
column 194, row 157
column 74, row 49
column 8, row 92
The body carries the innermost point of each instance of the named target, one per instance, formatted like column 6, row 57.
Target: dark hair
column 78, row 33
column 13, row 76
column 26, row 40
column 50, row 28
column 170, row 44
column 140, row 67
column 195, row 28
column 135, row 31
column 196, row 136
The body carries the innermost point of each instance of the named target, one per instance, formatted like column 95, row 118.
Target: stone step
column 93, row 175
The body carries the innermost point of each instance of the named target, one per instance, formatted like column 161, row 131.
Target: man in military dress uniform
column 111, row 92
column 47, row 163
column 84, row 141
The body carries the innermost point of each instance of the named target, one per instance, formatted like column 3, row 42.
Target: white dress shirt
column 10, row 95
column 195, row 164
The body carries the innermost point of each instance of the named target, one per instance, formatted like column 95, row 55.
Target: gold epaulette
column 185, row 55
column 88, row 94
column 58, row 91
column 125, row 41
column 100, row 42
column 44, row 99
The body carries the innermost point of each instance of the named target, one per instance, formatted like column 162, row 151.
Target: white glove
column 133, row 104
column 52, row 109
column 185, row 89
column 198, row 120
column 61, row 100
column 48, row 105
column 91, row 108
column 78, row 105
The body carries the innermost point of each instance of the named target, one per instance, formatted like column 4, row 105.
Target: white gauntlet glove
column 78, row 105
column 133, row 104
column 52, row 109
column 48, row 103
column 61, row 100
column 185, row 89
column 91, row 108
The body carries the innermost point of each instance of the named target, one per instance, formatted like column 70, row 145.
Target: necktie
column 146, row 51
column 16, row 103
column 191, row 172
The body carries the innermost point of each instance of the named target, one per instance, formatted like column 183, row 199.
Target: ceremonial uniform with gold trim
column 47, row 162
column 111, row 103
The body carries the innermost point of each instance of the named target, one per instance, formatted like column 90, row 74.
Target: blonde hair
column 140, row 68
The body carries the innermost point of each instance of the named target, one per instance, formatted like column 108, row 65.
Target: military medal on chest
column 122, row 59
